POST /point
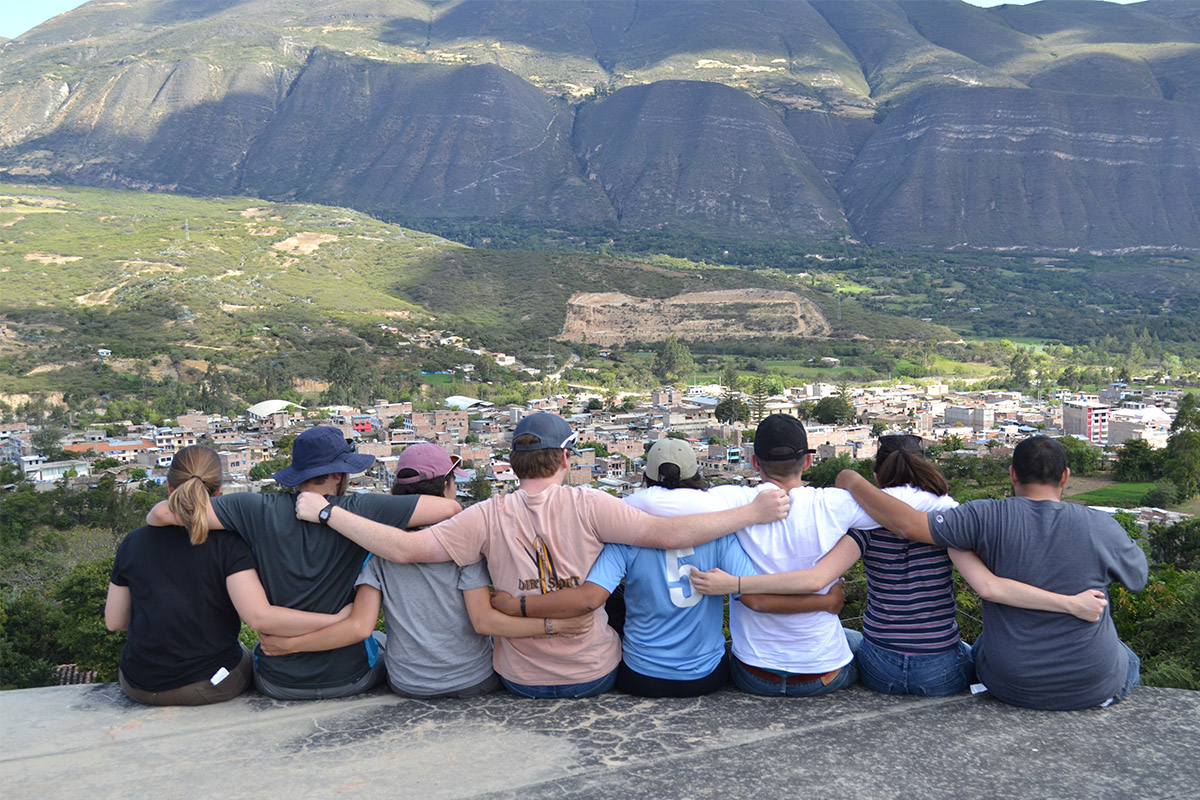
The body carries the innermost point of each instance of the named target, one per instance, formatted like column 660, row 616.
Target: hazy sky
column 18, row 16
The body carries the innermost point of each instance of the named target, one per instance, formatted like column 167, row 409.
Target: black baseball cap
column 780, row 437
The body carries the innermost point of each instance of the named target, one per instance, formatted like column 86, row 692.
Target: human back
column 673, row 641
column 168, row 588
column 1040, row 659
column 306, row 567
column 1034, row 658
column 534, row 544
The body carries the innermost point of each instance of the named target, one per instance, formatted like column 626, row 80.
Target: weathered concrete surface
column 91, row 742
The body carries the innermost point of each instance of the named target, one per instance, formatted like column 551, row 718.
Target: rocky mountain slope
column 1057, row 125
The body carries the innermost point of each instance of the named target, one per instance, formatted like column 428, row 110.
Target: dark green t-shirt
column 309, row 567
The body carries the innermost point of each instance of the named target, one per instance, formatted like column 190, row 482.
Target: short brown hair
column 780, row 470
column 533, row 464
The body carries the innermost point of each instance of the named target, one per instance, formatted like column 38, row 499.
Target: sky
column 18, row 16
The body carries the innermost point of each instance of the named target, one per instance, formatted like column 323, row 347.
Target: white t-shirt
column 806, row 643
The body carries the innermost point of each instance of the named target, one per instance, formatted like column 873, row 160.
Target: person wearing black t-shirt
column 179, row 592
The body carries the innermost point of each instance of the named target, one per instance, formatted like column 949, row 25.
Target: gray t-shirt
column 1041, row 659
column 310, row 567
column 432, row 649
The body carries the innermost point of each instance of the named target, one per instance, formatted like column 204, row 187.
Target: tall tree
column 673, row 361
column 1182, row 461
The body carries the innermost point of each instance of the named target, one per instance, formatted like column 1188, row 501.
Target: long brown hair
column 195, row 476
column 899, row 461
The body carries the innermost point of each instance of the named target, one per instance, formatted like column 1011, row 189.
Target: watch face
column 324, row 514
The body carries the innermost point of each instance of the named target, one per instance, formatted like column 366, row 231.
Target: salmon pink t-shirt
column 536, row 544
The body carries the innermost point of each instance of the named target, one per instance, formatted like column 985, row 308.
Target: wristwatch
column 323, row 514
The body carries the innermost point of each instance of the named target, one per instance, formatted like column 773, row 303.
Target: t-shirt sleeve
column 371, row 573
column 610, row 566
column 1128, row 564
column 389, row 509
column 922, row 500
column 464, row 535
column 116, row 576
column 733, row 558
column 962, row 527
column 236, row 554
column 845, row 510
column 473, row 576
column 609, row 517
column 861, row 538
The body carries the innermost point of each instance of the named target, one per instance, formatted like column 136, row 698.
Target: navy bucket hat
column 322, row 450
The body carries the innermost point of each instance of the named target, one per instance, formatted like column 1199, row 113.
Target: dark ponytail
column 669, row 478
column 900, row 462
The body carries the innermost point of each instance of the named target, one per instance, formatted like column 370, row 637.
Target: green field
column 1120, row 495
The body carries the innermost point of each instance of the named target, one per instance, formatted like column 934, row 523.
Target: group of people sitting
column 518, row 590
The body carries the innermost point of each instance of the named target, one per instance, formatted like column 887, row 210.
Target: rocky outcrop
column 611, row 318
column 997, row 167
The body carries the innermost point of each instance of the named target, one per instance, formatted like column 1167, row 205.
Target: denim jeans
column 374, row 676
column 755, row 684
column 1133, row 677
column 925, row 674
column 564, row 690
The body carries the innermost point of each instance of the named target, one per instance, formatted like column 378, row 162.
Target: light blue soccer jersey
column 671, row 631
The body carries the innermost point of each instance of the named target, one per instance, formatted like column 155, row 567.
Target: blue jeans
column 926, row 674
column 376, row 674
column 1133, row 677
column 755, row 684
column 564, row 690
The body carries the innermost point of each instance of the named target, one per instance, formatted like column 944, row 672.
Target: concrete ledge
column 92, row 742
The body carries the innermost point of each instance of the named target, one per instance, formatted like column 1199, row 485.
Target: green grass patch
column 1120, row 495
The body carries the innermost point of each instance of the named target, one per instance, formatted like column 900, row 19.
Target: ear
column 808, row 462
column 566, row 459
column 1066, row 476
column 754, row 462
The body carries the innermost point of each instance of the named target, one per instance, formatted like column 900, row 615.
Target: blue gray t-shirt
column 310, row 567
column 671, row 630
column 1041, row 659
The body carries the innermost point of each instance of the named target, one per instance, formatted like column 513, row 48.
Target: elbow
column 753, row 602
column 257, row 621
column 361, row 629
column 986, row 591
column 115, row 624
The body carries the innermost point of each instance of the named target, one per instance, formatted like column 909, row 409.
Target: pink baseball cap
column 427, row 461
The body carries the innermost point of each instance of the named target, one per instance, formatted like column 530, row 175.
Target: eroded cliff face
column 897, row 122
column 705, row 157
column 422, row 141
column 996, row 168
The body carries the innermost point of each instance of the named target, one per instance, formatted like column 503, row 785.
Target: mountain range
column 1062, row 125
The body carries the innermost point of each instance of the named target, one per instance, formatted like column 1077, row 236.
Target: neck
column 786, row 484
column 1038, row 491
column 539, row 485
column 326, row 485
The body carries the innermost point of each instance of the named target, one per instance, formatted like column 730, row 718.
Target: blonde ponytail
column 195, row 475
